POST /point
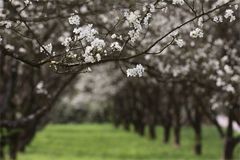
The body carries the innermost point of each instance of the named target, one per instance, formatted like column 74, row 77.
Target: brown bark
column 177, row 125
column 152, row 131
column 2, row 144
column 230, row 141
column 13, row 146
column 198, row 132
column 177, row 135
column 126, row 126
column 166, row 133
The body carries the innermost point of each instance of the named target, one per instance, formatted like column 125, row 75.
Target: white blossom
column 200, row 22
column 215, row 19
column 236, row 6
column 229, row 88
column 134, row 35
column 133, row 19
column 88, row 55
column 114, row 36
column 86, row 32
column 144, row 9
column 229, row 14
column 235, row 78
column 197, row 33
column 152, row 8
column 180, row 42
column 228, row 69
column 115, row 46
column 66, row 41
column 146, row 19
column 22, row 50
column 74, row 20
column 40, row 88
column 9, row 47
column 220, row 82
column 89, row 59
column 218, row 19
column 181, row 2
column 27, row 2
column 98, row 56
column 137, row 71
column 98, row 43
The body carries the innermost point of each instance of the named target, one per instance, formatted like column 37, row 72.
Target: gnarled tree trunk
column 198, row 132
column 230, row 141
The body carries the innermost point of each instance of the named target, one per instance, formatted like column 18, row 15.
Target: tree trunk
column 228, row 149
column 198, row 144
column 198, row 132
column 126, row 126
column 166, row 134
column 2, row 144
column 167, row 124
column 177, row 125
column 141, row 129
column 152, row 131
column 13, row 146
column 177, row 135
column 229, row 140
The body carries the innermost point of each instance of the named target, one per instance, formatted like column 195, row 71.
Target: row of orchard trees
column 197, row 82
column 45, row 45
column 146, row 105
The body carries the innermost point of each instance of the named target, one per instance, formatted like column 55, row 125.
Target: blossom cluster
column 137, row 71
column 229, row 14
column 115, row 46
column 40, row 88
column 197, row 33
column 181, row 2
column 74, row 20
column 180, row 42
column 135, row 19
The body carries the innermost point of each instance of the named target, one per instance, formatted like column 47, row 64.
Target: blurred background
column 105, row 116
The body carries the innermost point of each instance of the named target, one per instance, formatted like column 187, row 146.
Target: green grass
column 104, row 142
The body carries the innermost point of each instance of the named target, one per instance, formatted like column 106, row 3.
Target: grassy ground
column 103, row 142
